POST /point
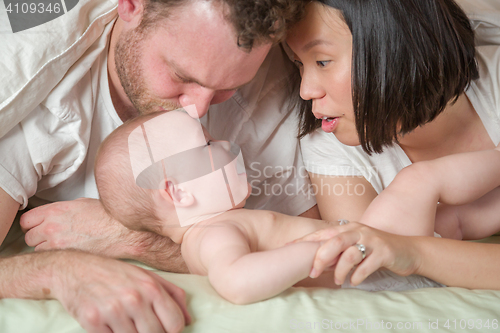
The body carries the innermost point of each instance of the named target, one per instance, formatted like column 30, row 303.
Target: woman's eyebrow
column 314, row 43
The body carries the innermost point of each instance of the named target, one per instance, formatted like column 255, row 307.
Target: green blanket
column 295, row 310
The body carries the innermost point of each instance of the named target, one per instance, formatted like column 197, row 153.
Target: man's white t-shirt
column 325, row 155
column 50, row 153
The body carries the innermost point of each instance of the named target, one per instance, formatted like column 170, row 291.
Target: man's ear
column 131, row 10
column 177, row 195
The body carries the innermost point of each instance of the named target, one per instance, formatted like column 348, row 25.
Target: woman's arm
column 243, row 277
column 451, row 262
column 8, row 210
column 342, row 197
column 458, row 263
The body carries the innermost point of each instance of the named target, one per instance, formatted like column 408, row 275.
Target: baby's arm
column 243, row 277
column 408, row 205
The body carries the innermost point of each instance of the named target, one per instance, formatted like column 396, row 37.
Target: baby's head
column 157, row 173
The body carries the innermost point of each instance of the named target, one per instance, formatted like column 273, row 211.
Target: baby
column 458, row 196
column 168, row 181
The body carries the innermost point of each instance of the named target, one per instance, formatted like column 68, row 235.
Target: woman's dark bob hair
column 410, row 58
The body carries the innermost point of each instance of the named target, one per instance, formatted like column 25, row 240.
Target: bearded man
column 144, row 56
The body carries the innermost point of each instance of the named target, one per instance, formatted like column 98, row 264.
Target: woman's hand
column 383, row 250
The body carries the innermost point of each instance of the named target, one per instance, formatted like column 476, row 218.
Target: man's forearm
column 83, row 224
column 102, row 294
column 149, row 248
column 8, row 209
column 28, row 275
column 156, row 251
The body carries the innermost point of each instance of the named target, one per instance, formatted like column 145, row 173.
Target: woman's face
column 322, row 46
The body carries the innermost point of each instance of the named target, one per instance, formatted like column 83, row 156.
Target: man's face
column 189, row 58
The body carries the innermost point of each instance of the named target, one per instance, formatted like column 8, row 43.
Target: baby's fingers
column 318, row 236
column 327, row 233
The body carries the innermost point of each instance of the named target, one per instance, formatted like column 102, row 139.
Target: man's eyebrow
column 178, row 71
column 314, row 43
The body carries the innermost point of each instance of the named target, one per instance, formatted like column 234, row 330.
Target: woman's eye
column 322, row 63
column 298, row 63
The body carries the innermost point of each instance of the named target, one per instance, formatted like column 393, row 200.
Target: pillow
column 36, row 59
column 485, row 19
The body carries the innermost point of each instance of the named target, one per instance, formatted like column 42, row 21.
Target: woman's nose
column 310, row 88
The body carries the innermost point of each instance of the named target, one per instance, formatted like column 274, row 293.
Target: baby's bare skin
column 260, row 231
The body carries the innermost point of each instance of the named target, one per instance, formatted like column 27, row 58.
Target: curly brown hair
column 263, row 20
column 255, row 21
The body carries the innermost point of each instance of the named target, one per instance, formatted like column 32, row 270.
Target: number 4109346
column 33, row 7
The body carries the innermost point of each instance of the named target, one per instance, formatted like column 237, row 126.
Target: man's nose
column 201, row 97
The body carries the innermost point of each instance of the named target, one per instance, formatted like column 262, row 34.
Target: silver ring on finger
column 343, row 222
column 361, row 249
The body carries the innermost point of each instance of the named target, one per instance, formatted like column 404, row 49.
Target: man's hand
column 104, row 295
column 83, row 224
column 80, row 224
column 110, row 296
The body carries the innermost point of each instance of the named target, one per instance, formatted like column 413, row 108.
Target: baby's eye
column 322, row 63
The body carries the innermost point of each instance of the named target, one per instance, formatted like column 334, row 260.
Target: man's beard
column 128, row 53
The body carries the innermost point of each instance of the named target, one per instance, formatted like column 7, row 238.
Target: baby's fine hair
column 122, row 199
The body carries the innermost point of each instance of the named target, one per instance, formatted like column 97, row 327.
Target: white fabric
column 386, row 280
column 50, row 145
column 325, row 155
column 51, row 151
column 485, row 19
column 35, row 60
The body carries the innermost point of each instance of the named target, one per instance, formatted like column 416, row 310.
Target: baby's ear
column 177, row 195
